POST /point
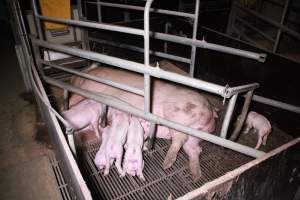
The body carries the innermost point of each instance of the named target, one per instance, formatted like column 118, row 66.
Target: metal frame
column 192, row 42
column 279, row 25
column 148, row 71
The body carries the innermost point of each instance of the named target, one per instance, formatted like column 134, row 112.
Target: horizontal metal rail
column 242, row 88
column 171, row 38
column 261, row 57
column 123, row 106
column 95, row 78
column 136, row 67
column 139, row 49
column 86, row 24
column 277, row 104
column 140, row 8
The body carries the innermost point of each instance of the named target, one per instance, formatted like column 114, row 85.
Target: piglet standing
column 100, row 158
column 133, row 163
column 116, row 140
column 84, row 115
column 260, row 124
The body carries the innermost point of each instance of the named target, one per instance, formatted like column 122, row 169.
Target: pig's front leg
column 107, row 164
column 192, row 149
column 96, row 128
column 247, row 129
column 140, row 172
column 178, row 139
column 118, row 163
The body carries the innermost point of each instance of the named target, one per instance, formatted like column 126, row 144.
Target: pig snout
column 260, row 124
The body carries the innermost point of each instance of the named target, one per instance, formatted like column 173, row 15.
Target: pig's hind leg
column 118, row 163
column 193, row 150
column 178, row 139
column 265, row 137
column 95, row 126
column 259, row 140
column 140, row 172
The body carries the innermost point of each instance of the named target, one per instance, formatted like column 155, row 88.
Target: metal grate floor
column 62, row 185
column 215, row 162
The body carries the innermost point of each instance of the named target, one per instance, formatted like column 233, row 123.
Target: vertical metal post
column 99, row 11
column 278, row 36
column 194, row 37
column 71, row 141
column 126, row 14
column 83, row 33
column 167, row 25
column 66, row 99
column 40, row 35
column 147, row 79
column 231, row 19
column 228, row 116
column 240, row 122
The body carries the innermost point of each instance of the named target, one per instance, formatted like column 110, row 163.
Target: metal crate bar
column 137, row 67
column 86, row 24
column 277, row 104
column 244, row 22
column 194, row 37
column 140, row 8
column 139, row 49
column 261, row 57
column 268, row 20
column 186, row 41
column 95, row 78
column 121, row 105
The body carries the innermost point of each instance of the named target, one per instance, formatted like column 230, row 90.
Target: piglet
column 260, row 124
column 133, row 163
column 116, row 140
column 84, row 115
column 100, row 159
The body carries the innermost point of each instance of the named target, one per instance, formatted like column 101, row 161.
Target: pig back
column 174, row 102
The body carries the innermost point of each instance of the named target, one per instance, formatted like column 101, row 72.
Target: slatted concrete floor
column 215, row 161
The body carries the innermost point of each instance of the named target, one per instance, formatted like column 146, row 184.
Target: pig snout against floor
column 133, row 163
column 116, row 140
column 84, row 115
column 261, row 126
column 100, row 158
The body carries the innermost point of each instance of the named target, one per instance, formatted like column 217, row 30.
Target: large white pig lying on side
column 116, row 140
column 260, row 124
column 133, row 162
column 176, row 103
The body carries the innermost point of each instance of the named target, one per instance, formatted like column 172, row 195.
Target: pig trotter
column 141, row 176
column 171, row 156
column 195, row 168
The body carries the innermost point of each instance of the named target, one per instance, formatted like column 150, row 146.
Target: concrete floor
column 21, row 141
